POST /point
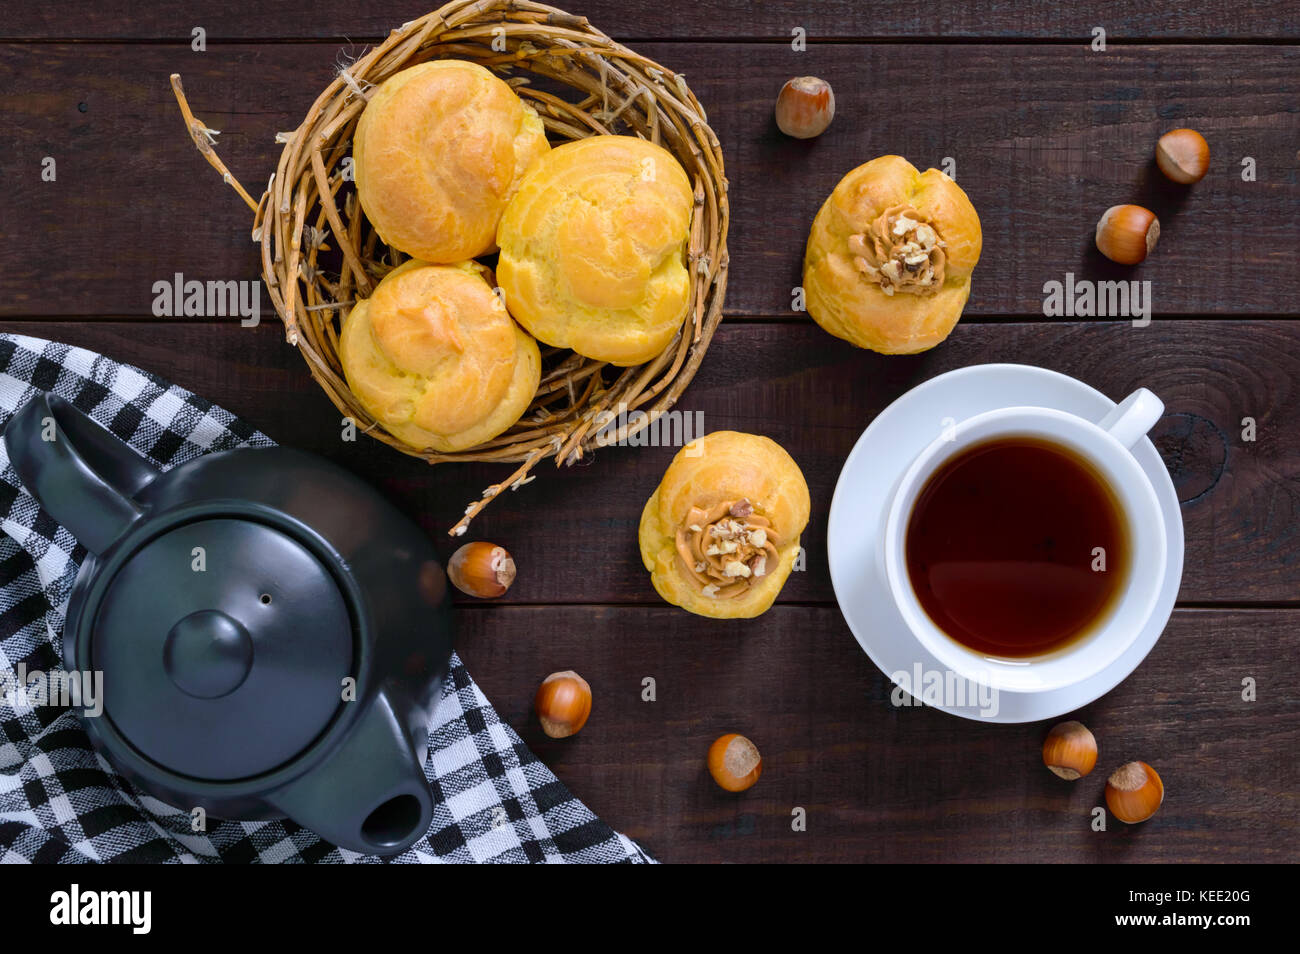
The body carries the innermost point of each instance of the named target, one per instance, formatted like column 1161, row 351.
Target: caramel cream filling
column 901, row 251
column 727, row 548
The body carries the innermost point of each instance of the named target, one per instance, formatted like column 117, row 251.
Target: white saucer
column 862, row 496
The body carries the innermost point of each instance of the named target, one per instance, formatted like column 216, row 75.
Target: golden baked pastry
column 890, row 257
column 721, row 532
column 433, row 355
column 593, row 249
column 438, row 151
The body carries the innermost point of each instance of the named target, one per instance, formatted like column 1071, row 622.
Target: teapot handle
column 84, row 476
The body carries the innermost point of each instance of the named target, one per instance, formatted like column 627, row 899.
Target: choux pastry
column 890, row 256
column 438, row 151
column 721, row 532
column 593, row 249
column 434, row 357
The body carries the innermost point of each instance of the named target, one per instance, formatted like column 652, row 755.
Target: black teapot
column 272, row 634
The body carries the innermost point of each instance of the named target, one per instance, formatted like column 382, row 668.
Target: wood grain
column 573, row 531
column 1044, row 138
column 712, row 19
column 882, row 783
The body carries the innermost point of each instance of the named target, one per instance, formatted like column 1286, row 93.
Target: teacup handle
column 1132, row 417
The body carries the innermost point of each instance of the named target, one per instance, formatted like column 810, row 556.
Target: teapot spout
column 371, row 795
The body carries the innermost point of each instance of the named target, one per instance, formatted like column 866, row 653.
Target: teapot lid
column 224, row 644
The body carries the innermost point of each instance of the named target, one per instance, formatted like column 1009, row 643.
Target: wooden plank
column 573, row 531
column 712, row 19
column 881, row 783
column 1044, row 139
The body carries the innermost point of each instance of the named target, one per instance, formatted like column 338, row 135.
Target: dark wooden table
column 1046, row 133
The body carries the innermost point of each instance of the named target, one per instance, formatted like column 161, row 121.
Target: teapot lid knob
column 208, row 654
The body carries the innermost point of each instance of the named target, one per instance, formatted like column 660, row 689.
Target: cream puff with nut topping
column 890, row 256
column 721, row 532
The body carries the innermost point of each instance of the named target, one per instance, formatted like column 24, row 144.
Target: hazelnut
column 481, row 569
column 1183, row 155
column 805, row 107
column 1134, row 792
column 1070, row 750
column 1127, row 233
column 734, row 762
column 563, row 703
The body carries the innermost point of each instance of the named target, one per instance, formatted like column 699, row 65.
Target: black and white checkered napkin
column 60, row 801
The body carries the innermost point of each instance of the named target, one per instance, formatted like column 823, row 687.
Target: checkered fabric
column 60, row 801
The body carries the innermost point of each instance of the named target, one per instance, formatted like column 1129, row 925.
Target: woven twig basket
column 320, row 254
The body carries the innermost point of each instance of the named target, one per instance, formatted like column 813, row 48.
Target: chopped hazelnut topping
column 726, row 548
column 901, row 252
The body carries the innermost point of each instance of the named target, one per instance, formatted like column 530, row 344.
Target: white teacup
column 1106, row 445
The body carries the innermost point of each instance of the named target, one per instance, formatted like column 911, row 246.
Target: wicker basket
column 320, row 254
